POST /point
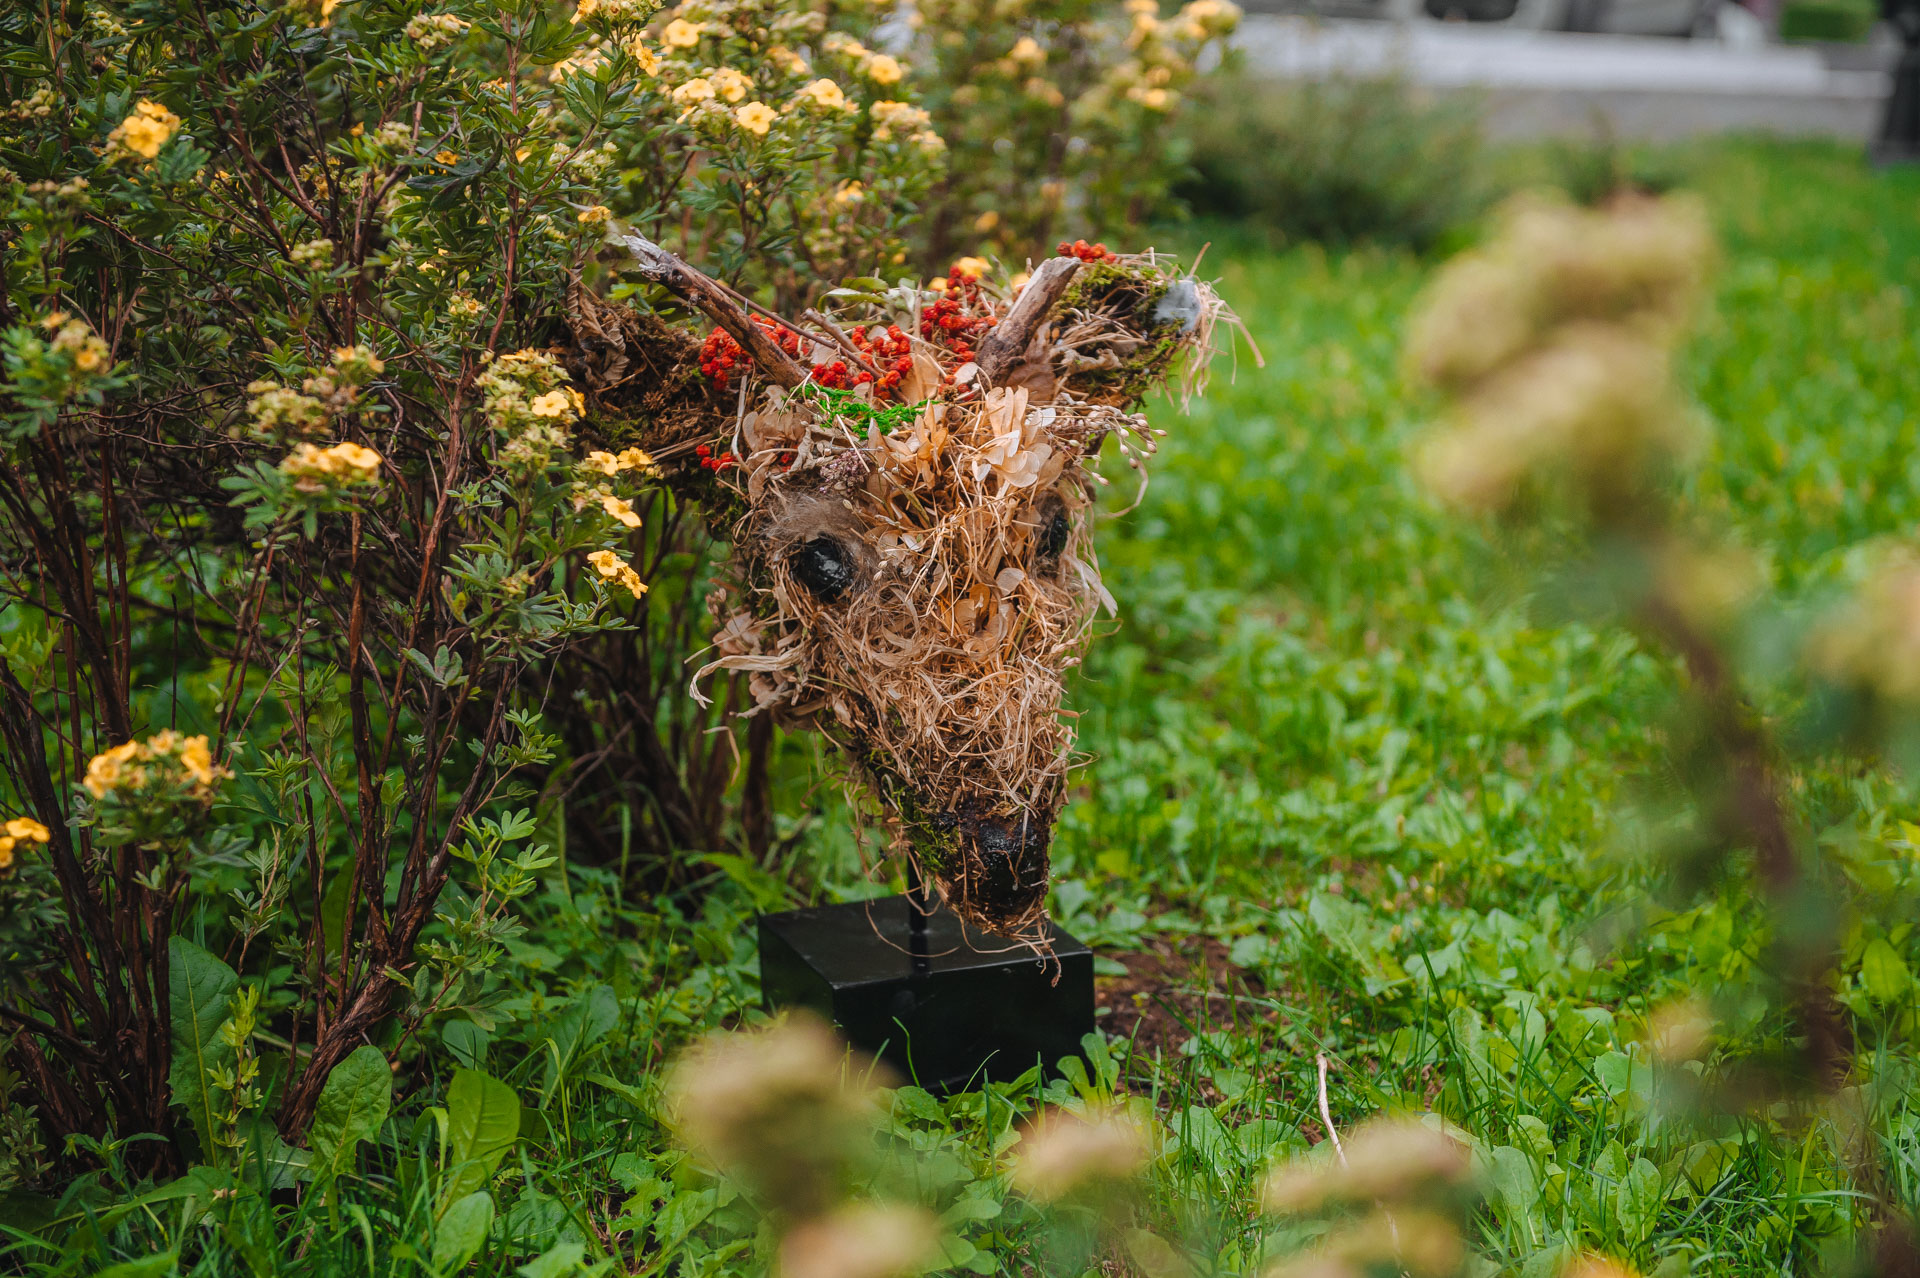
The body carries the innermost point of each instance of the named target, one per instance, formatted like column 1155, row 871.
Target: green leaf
column 584, row 1023
column 556, row 1261
column 198, row 987
column 483, row 1121
column 351, row 1108
column 1511, row 1174
column 463, row 1228
column 1884, row 972
column 146, row 1267
column 1637, row 1199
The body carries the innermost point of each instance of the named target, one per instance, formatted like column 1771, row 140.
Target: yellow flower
column 594, row 214
column 28, row 830
column 637, row 50
column 619, row 509
column 973, row 267
column 681, row 34
column 145, row 131
column 448, row 158
column 635, row 459
column 552, row 404
column 896, row 117
column 849, row 194
column 884, row 69
column 692, row 94
column 604, row 462
column 6, row 854
column 585, row 9
column 315, row 468
column 824, row 94
column 987, row 221
column 107, row 769
column 755, row 117
column 729, row 83
column 1152, row 99
column 194, row 755
column 787, row 60
column 614, row 568
column 1027, row 50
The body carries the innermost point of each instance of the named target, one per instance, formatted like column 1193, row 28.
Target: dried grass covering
column 917, row 577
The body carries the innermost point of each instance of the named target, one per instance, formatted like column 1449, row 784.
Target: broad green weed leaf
column 584, row 1023
column 462, row 1229
column 483, row 1121
column 1884, row 972
column 1510, row 1172
column 556, row 1262
column 198, row 987
column 1636, row 1200
column 352, row 1105
column 918, row 1104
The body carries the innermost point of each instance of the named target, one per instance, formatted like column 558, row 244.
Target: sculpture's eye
column 1053, row 535
column 824, row 567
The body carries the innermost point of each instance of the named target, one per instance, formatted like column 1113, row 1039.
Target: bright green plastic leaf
column 463, row 1228
column 198, row 987
column 351, row 1108
column 483, row 1121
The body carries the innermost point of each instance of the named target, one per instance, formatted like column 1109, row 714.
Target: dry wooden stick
column 1009, row 340
column 711, row 299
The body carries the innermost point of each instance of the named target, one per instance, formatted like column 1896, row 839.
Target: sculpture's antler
column 668, row 271
column 1008, row 342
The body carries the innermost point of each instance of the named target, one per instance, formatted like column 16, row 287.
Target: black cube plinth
column 982, row 1008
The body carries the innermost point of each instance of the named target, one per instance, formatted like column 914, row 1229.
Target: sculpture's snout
column 1003, row 870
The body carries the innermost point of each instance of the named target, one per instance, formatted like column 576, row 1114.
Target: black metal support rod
column 918, row 908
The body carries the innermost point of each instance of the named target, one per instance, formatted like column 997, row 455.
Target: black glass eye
column 823, row 567
column 1054, row 534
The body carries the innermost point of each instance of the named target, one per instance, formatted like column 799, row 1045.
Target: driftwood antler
column 1007, row 344
column 713, row 301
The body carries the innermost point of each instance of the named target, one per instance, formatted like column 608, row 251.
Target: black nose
column 1006, row 864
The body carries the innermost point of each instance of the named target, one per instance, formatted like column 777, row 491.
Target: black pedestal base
column 970, row 1016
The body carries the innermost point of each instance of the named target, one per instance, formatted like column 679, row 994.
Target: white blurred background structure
column 1653, row 69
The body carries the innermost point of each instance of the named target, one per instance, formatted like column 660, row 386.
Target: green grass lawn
column 1352, row 792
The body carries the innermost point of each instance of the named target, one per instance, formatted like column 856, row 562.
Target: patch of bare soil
column 1175, row 988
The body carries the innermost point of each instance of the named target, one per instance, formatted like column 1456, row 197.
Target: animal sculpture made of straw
column 907, row 484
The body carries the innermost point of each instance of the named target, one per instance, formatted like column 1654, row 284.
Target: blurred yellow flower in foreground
column 1063, row 1154
column 865, row 1240
column 681, row 34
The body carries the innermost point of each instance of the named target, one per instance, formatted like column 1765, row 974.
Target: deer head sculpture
column 914, row 574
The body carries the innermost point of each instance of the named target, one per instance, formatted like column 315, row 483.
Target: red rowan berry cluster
column 1087, row 252
column 709, row 462
column 946, row 320
column 720, row 353
column 888, row 349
